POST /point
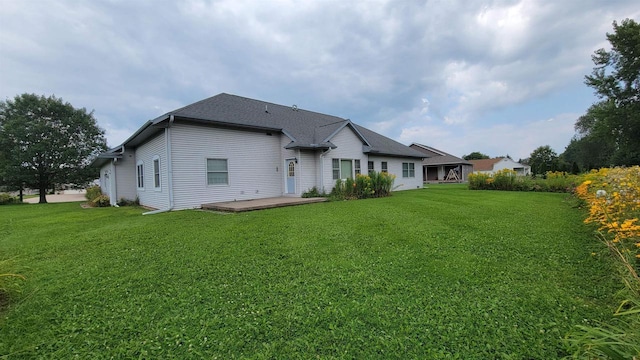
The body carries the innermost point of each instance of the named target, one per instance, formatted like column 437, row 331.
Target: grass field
column 441, row 272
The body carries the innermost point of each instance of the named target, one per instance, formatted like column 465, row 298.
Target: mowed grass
column 441, row 272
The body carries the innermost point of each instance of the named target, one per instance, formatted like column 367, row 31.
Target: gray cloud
column 371, row 61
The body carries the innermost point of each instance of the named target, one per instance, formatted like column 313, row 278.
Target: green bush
column 508, row 180
column 382, row 183
column 480, row 181
column 6, row 199
column 93, row 192
column 376, row 184
column 127, row 202
column 101, row 201
column 505, row 179
column 313, row 192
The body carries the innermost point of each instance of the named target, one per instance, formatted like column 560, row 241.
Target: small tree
column 45, row 141
column 543, row 159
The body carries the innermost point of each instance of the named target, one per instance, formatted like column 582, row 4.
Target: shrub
column 376, row 184
column 93, row 192
column 507, row 179
column 480, row 181
column 127, row 202
column 382, row 183
column 6, row 199
column 504, row 179
column 313, row 192
column 101, row 201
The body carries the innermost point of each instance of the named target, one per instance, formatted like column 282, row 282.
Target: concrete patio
column 259, row 204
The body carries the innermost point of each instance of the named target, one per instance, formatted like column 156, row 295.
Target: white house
column 228, row 148
column 490, row 166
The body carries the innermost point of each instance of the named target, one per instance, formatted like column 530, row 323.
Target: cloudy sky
column 499, row 77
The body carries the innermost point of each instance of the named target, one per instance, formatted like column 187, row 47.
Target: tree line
column 608, row 134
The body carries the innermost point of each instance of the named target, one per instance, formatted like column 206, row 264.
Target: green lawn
column 441, row 272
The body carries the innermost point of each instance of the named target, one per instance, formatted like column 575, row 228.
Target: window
column 343, row 168
column 156, row 172
column 383, row 165
column 292, row 169
column 217, row 172
column 408, row 170
column 335, row 165
column 140, row 174
column 346, row 169
column 370, row 167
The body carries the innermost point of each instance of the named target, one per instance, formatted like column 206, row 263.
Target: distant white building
column 490, row 166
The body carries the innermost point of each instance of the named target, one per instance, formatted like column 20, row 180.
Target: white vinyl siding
column 307, row 173
column 125, row 169
column 145, row 153
column 394, row 166
column 254, row 166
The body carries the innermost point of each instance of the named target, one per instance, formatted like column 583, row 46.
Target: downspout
column 298, row 178
column 113, row 191
column 322, row 154
column 167, row 139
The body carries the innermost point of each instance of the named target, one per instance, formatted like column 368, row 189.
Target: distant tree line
column 609, row 133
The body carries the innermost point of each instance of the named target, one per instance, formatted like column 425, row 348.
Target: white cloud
column 515, row 139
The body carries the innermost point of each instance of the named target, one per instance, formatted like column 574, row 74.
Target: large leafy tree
column 613, row 123
column 543, row 159
column 45, row 141
column 476, row 155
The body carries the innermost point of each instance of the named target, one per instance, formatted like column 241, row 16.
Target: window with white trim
column 217, row 172
column 335, row 168
column 370, row 167
column 156, row 172
column 140, row 174
column 356, row 166
column 408, row 170
column 344, row 168
column 383, row 166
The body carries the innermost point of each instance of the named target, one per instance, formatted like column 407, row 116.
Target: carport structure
column 439, row 166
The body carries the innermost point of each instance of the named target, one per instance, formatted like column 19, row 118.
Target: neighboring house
column 438, row 166
column 490, row 166
column 228, row 148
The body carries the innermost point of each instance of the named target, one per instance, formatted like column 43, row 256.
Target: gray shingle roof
column 308, row 129
column 433, row 156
